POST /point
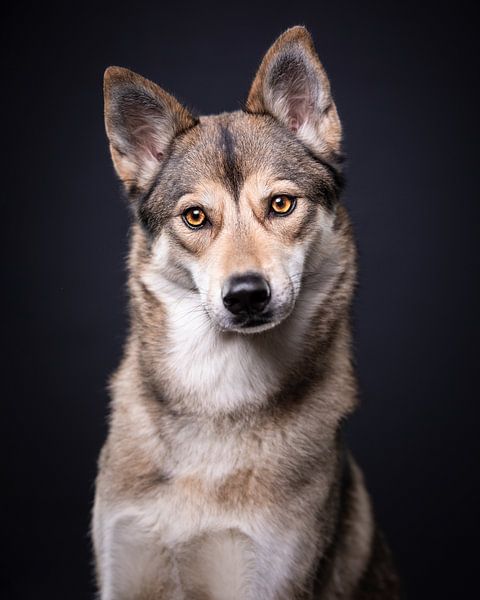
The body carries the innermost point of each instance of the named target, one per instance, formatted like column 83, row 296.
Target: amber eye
column 282, row 205
column 194, row 217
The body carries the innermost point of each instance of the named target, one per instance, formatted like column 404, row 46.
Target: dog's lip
column 255, row 321
column 250, row 324
column 254, row 324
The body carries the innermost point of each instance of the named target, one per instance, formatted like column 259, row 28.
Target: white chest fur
column 165, row 547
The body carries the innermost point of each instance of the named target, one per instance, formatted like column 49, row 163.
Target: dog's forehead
column 230, row 147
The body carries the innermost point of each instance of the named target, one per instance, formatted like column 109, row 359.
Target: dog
column 225, row 475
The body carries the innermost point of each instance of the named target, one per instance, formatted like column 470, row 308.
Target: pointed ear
column 141, row 120
column 291, row 85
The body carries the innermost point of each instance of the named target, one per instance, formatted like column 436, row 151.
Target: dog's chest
column 214, row 478
column 211, row 514
column 219, row 530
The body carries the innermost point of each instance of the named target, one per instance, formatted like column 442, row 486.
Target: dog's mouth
column 250, row 323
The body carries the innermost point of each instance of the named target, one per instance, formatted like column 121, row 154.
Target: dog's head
column 233, row 207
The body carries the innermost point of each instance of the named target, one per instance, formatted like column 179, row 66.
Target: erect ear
column 291, row 85
column 141, row 120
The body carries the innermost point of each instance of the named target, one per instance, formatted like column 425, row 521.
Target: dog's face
column 233, row 205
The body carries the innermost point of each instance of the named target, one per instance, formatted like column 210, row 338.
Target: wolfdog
column 225, row 475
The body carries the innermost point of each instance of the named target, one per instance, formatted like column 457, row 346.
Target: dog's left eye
column 282, row 205
column 194, row 217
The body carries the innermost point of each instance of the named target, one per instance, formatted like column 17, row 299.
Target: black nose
column 246, row 294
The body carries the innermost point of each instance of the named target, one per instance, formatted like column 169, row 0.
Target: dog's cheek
column 295, row 265
column 201, row 276
column 166, row 266
column 154, row 268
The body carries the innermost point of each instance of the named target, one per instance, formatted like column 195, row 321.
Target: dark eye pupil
column 196, row 215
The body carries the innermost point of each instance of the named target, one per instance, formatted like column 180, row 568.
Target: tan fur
column 224, row 476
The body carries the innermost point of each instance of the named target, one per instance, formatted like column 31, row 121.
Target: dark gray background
column 404, row 76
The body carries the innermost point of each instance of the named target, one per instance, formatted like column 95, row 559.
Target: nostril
column 246, row 294
column 259, row 296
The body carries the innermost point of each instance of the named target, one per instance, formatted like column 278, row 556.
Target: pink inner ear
column 297, row 110
column 150, row 150
column 294, row 124
column 146, row 139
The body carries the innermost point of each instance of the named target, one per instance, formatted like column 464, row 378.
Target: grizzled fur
column 225, row 475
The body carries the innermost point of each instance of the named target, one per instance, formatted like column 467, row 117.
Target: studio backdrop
column 404, row 80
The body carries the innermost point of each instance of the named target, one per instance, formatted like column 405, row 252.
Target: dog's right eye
column 282, row 205
column 194, row 217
